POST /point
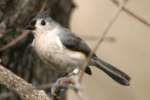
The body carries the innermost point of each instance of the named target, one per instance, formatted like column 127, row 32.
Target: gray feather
column 116, row 74
column 75, row 43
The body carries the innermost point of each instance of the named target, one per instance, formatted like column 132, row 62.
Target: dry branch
column 139, row 18
column 15, row 41
column 25, row 90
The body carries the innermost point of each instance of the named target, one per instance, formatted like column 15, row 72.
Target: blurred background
column 127, row 46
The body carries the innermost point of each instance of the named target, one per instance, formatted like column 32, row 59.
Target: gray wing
column 75, row 43
column 71, row 41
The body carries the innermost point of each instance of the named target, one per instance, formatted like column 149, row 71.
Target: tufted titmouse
column 56, row 45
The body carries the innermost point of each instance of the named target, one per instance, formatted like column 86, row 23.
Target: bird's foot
column 63, row 84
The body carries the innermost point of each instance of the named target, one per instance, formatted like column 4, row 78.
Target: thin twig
column 139, row 18
column 15, row 41
column 104, row 33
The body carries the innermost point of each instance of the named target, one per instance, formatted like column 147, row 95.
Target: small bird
column 58, row 46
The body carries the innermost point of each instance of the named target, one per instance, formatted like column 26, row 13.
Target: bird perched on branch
column 58, row 46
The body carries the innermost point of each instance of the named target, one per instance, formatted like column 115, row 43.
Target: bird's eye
column 43, row 22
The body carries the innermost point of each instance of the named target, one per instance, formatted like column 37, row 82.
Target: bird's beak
column 31, row 25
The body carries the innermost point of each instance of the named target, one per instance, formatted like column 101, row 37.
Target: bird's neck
column 47, row 33
column 46, row 37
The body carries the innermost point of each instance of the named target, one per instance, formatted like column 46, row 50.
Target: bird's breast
column 52, row 47
column 47, row 46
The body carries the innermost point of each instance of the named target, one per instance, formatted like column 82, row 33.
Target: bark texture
column 25, row 90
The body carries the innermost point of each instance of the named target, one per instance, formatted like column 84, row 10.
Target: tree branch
column 15, row 41
column 25, row 90
column 142, row 20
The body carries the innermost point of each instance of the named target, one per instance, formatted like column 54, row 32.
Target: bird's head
column 41, row 24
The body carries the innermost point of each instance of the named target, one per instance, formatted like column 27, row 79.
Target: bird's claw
column 61, row 85
column 64, row 83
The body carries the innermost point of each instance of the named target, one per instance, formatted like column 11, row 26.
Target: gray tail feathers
column 113, row 72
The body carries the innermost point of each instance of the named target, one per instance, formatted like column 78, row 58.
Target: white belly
column 51, row 50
